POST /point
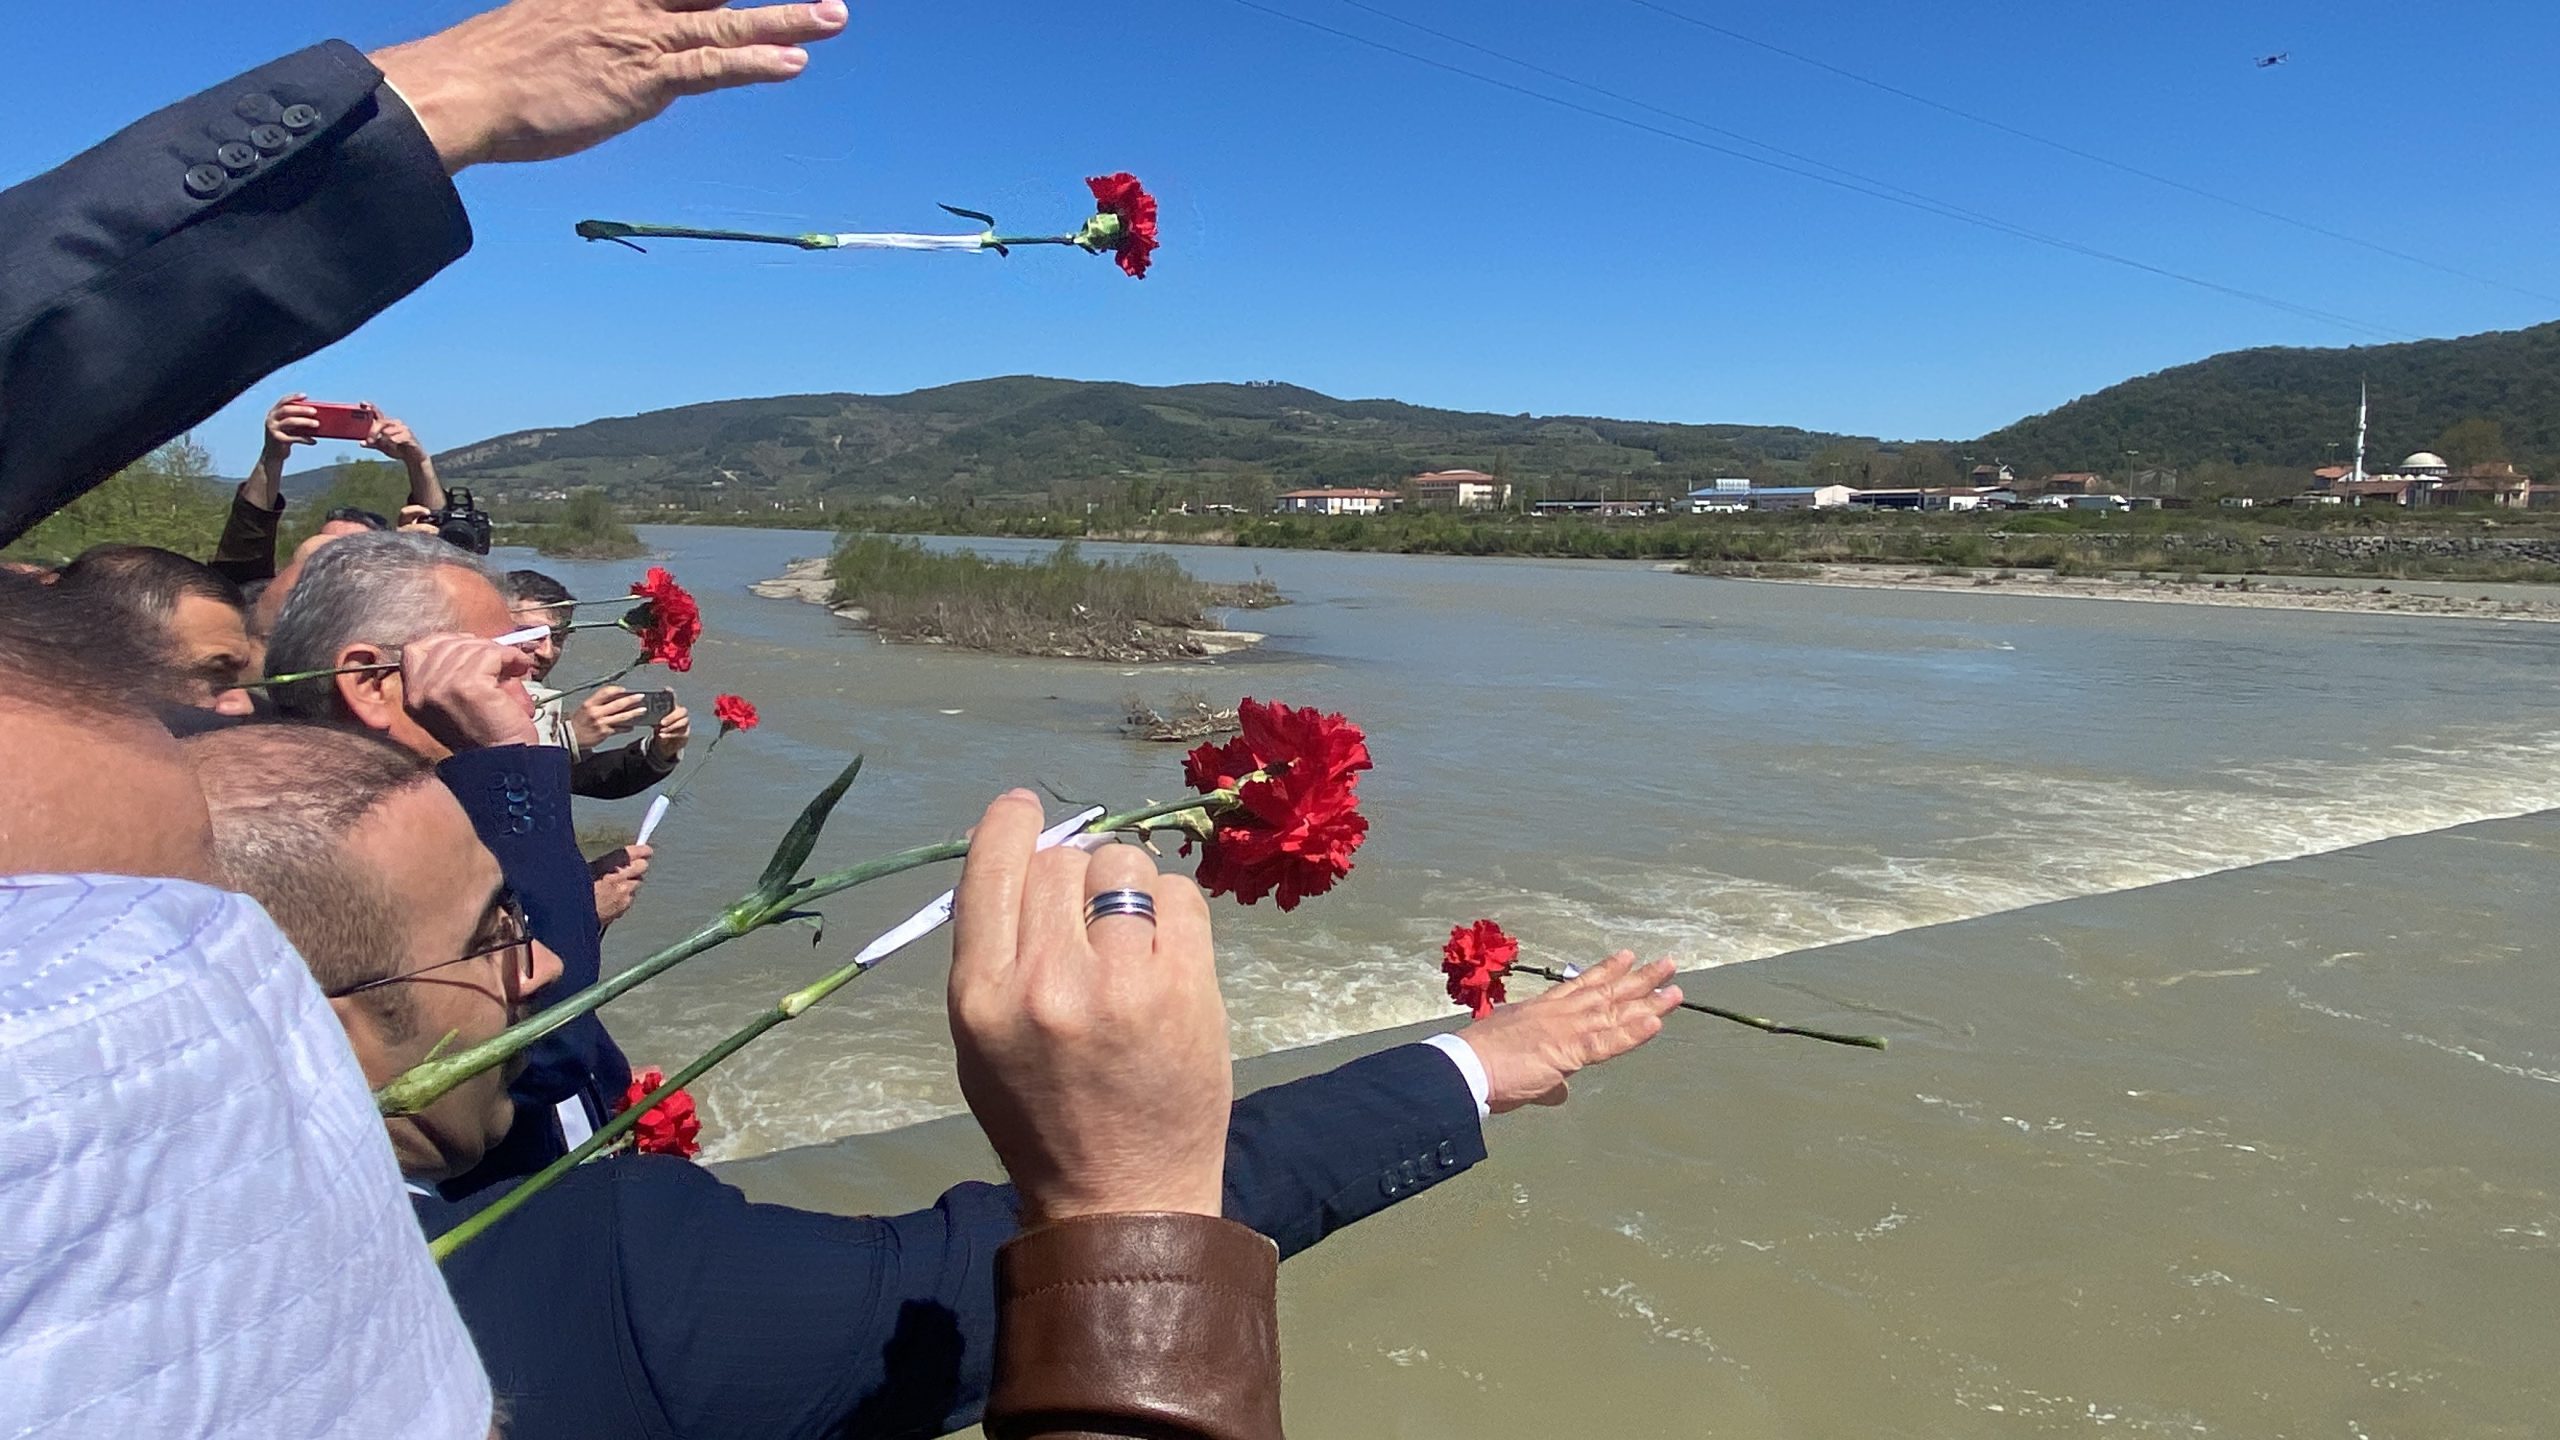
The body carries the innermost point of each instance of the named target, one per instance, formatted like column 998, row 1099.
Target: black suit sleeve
column 148, row 280
column 616, row 774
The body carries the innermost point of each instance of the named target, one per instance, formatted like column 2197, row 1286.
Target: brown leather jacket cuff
column 1161, row 1326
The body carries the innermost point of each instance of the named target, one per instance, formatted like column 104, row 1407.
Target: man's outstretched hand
column 1530, row 1049
column 539, row 79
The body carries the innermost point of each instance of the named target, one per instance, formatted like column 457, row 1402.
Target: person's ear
column 373, row 697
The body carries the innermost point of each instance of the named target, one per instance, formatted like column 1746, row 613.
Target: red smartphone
column 344, row 422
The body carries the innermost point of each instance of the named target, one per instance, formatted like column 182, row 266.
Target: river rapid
column 2214, row 946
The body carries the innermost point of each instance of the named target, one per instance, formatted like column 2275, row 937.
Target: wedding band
column 1137, row 904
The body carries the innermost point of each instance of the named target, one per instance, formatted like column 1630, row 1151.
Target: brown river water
column 2215, row 948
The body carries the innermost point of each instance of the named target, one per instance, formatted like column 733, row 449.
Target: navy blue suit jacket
column 518, row 800
column 150, row 279
column 641, row 1297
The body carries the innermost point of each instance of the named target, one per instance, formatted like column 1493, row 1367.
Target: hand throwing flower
column 1123, row 224
column 670, row 1126
column 1479, row 957
column 1475, row 960
column 1297, row 816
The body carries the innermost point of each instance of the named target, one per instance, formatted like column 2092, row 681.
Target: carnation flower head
column 1122, row 196
column 669, row 624
column 1475, row 959
column 1297, row 820
column 670, row 1126
column 734, row 713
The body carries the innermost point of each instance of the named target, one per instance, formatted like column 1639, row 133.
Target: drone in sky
column 2269, row 62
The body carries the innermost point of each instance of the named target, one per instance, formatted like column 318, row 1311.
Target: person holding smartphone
column 582, row 727
column 246, row 553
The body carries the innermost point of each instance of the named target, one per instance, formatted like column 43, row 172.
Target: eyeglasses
column 509, row 931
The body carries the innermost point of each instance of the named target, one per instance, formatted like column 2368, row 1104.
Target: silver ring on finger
column 1137, row 904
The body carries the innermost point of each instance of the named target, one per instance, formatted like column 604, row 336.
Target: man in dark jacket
column 148, row 280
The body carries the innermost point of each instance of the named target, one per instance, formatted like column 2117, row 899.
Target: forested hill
column 2288, row 407
column 1027, row 436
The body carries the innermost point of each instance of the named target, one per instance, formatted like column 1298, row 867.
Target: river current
column 2214, row 946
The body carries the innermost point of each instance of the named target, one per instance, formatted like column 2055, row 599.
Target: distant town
column 2423, row 480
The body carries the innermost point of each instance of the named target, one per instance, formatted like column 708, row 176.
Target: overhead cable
column 1804, row 167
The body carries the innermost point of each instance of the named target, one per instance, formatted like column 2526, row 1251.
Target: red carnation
column 671, row 1125
column 734, row 713
column 1123, row 196
column 669, row 624
column 1298, row 817
column 1475, row 960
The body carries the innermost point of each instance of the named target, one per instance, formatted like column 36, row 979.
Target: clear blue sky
column 1357, row 223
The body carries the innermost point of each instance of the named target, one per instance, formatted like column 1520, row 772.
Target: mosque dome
column 2423, row 462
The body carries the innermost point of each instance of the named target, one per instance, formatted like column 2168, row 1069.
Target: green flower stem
column 625, row 232
column 530, row 606
column 676, row 792
column 600, row 684
column 421, row 1086
column 790, row 1007
column 320, row 674
column 1866, row 1042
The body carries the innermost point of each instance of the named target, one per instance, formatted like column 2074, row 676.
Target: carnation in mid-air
column 1122, row 225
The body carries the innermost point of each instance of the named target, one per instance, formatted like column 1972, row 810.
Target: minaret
column 2358, row 477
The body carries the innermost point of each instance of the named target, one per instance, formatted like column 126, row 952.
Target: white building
column 1460, row 490
column 1338, row 502
column 1801, row 497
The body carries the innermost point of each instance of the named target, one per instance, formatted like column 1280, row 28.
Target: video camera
column 461, row 522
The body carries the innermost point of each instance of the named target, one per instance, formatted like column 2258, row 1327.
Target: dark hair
column 529, row 588
column 87, row 659
column 143, row 580
column 357, row 514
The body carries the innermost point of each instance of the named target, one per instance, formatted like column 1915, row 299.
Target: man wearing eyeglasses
column 397, row 907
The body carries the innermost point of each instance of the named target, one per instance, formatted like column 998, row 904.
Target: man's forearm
column 423, row 487
column 265, row 485
column 301, row 196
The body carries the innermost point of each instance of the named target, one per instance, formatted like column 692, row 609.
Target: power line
column 2093, row 157
column 1839, row 178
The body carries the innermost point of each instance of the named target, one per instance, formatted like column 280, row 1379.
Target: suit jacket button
column 1388, row 1187
column 237, row 158
column 298, row 118
column 256, row 109
column 206, row 181
column 269, row 138
column 1448, row 1155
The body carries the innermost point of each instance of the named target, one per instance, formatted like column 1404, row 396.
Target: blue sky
column 1358, row 223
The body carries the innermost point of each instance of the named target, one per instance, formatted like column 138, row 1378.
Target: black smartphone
column 661, row 704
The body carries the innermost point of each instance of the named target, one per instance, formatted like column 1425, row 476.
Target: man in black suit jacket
column 148, row 280
column 640, row 1295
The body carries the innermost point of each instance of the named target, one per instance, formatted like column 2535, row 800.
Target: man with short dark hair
column 192, row 618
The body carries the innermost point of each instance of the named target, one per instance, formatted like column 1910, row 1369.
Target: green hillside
column 2283, row 407
column 1025, row 436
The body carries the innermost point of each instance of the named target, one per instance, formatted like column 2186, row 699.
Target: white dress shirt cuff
column 1463, row 1055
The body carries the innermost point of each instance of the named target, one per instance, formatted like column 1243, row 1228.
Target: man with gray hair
column 409, row 622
